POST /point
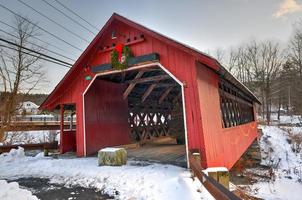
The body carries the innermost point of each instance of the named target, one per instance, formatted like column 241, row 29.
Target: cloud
column 287, row 7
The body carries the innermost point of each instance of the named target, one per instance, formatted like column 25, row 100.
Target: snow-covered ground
column 286, row 119
column 12, row 191
column 32, row 137
column 136, row 180
column 280, row 149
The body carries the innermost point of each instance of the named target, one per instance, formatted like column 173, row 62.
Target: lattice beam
column 165, row 94
column 149, row 79
column 148, row 92
column 132, row 85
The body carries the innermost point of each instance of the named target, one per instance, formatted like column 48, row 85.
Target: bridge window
column 236, row 108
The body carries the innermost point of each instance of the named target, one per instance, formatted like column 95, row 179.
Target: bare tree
column 19, row 71
column 295, row 63
column 219, row 55
column 295, row 47
column 271, row 61
column 257, row 65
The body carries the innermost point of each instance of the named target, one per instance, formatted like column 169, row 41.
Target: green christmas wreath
column 123, row 63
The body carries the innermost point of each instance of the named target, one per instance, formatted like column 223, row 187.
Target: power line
column 28, row 49
column 64, row 6
column 75, row 21
column 53, row 35
column 38, row 46
column 54, row 46
column 48, row 60
column 53, row 21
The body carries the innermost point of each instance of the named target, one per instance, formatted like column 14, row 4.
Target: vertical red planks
column 106, row 116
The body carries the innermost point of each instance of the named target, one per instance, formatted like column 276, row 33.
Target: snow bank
column 11, row 191
column 287, row 166
column 136, row 180
column 280, row 189
column 275, row 149
column 13, row 155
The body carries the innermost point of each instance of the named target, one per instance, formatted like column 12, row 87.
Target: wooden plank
column 164, row 95
column 100, row 68
column 146, row 66
column 131, row 62
column 148, row 92
column 149, row 79
column 142, row 59
column 132, row 85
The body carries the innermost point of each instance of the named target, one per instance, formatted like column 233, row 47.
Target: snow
column 110, row 149
column 11, row 191
column 13, row 155
column 277, row 152
column 215, row 169
column 38, row 116
column 287, row 119
column 282, row 188
column 30, row 137
column 275, row 147
column 136, row 180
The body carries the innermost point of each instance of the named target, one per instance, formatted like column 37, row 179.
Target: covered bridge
column 134, row 84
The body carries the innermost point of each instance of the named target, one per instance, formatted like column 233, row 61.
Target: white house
column 29, row 107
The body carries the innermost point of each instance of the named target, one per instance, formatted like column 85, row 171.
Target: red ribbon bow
column 119, row 49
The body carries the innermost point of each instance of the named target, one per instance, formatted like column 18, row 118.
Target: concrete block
column 112, row 157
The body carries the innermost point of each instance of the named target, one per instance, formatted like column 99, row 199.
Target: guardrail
column 217, row 190
column 32, row 126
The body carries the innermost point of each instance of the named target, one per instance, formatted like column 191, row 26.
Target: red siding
column 73, row 95
column 224, row 146
column 68, row 141
column 106, row 116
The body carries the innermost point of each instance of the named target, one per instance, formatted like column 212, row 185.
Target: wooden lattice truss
column 236, row 107
column 154, row 102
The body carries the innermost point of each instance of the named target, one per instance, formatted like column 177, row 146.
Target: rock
column 112, row 156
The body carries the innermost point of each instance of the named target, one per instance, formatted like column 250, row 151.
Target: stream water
column 45, row 190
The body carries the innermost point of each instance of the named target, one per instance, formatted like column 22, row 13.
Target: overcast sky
column 205, row 25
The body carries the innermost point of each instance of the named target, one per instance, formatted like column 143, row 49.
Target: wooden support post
column 61, row 127
column 71, row 121
column 164, row 95
column 148, row 92
column 132, row 85
column 220, row 174
column 46, row 152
